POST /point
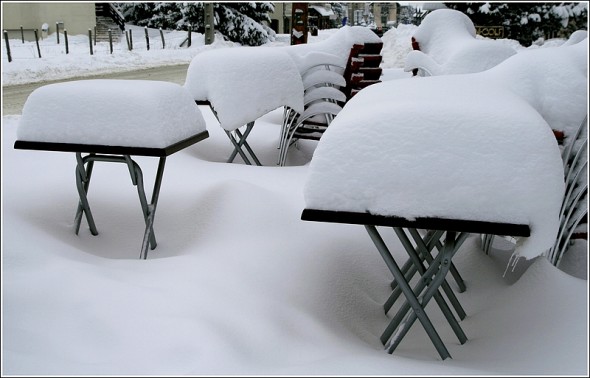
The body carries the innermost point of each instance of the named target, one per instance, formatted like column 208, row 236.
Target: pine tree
column 238, row 22
column 527, row 22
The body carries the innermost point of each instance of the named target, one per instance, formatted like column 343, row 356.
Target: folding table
column 240, row 85
column 115, row 154
column 432, row 277
column 110, row 121
column 237, row 139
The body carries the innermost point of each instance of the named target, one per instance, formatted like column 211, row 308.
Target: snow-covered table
column 438, row 154
column 241, row 84
column 111, row 120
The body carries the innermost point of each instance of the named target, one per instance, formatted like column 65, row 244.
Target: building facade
column 75, row 17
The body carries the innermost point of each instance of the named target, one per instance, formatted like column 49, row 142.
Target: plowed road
column 14, row 96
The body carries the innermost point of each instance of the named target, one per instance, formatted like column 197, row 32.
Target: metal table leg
column 418, row 308
column 83, row 176
column 240, row 142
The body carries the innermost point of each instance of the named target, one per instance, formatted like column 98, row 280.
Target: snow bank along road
column 14, row 96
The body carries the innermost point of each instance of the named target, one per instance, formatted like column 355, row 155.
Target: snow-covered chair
column 553, row 81
column 445, row 43
column 241, row 84
column 333, row 71
column 109, row 121
column 323, row 84
column 386, row 161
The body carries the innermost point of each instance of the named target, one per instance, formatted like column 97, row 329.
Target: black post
column 57, row 31
column 90, row 40
column 209, row 24
column 127, row 38
column 7, row 46
column 189, row 35
column 37, row 42
column 22, row 34
column 147, row 39
column 131, row 39
column 94, row 35
column 111, row 40
column 162, row 36
column 66, row 39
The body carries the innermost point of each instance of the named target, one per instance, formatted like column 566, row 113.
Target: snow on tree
column 238, row 22
column 528, row 22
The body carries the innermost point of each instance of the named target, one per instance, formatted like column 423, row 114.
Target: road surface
column 14, row 96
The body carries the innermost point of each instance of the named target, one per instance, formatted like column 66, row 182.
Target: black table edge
column 427, row 223
column 115, row 150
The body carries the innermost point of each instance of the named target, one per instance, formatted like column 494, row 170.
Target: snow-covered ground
column 238, row 283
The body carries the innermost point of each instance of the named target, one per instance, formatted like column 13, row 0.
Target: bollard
column 94, row 35
column 111, row 40
column 37, row 42
column 22, row 34
column 90, row 40
column 57, row 31
column 162, row 36
column 131, row 39
column 127, row 38
column 189, row 36
column 7, row 46
column 147, row 39
column 66, row 40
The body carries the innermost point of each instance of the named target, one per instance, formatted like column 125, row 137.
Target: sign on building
column 494, row 32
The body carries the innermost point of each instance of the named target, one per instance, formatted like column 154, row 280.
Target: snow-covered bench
column 442, row 155
column 110, row 120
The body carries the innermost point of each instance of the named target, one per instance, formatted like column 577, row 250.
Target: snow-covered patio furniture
column 323, row 85
column 437, row 154
column 445, row 43
column 109, row 121
column 329, row 79
column 241, row 84
column 553, row 81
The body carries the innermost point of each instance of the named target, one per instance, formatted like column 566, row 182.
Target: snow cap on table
column 441, row 147
column 244, row 83
column 130, row 113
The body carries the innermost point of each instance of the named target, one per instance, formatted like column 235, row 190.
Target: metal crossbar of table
column 237, row 139
column 115, row 154
column 432, row 276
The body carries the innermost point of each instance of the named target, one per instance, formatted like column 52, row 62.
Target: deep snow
column 238, row 284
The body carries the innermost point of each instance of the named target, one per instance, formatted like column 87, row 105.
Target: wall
column 77, row 18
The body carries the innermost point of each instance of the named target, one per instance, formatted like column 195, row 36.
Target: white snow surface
column 244, row 83
column 238, row 285
column 448, row 45
column 451, row 140
column 339, row 43
column 130, row 113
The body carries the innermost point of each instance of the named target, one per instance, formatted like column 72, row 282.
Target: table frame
column 115, row 154
column 237, row 139
column 432, row 278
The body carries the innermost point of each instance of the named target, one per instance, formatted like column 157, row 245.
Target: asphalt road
column 14, row 96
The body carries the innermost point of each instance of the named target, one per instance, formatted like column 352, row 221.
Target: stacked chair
column 327, row 87
column 574, row 208
column 323, row 85
column 362, row 68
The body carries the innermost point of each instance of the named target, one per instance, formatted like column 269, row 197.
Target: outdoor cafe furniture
column 436, row 164
column 323, row 85
column 241, row 84
column 110, row 121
